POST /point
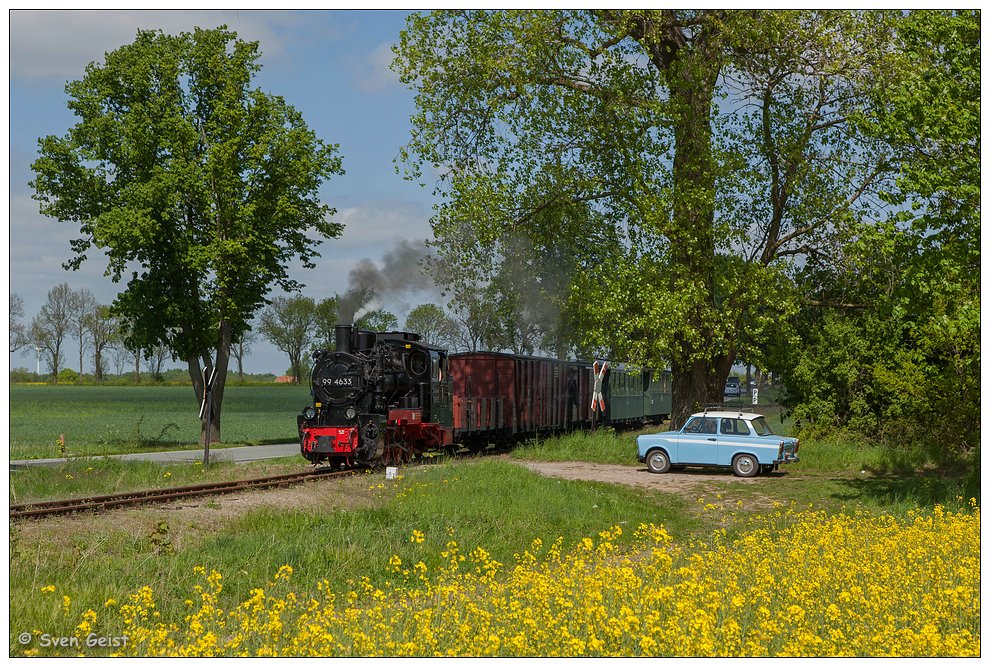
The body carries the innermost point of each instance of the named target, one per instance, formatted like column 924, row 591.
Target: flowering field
column 786, row 583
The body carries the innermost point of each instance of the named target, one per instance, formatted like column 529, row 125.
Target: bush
column 68, row 376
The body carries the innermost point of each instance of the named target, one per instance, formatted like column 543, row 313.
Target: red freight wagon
column 541, row 385
column 580, row 382
column 497, row 396
column 483, row 386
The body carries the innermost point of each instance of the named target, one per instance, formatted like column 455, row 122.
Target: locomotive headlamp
column 309, row 412
column 350, row 414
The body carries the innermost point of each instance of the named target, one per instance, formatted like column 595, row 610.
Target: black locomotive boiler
column 376, row 397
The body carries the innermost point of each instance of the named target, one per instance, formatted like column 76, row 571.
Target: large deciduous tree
column 198, row 188
column 688, row 157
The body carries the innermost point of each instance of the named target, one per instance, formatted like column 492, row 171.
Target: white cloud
column 38, row 248
column 378, row 222
column 373, row 74
column 47, row 45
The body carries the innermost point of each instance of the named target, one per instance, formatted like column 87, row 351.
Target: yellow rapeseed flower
column 794, row 582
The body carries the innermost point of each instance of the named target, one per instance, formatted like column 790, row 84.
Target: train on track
column 386, row 398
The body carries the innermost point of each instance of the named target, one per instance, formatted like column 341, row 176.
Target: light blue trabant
column 740, row 440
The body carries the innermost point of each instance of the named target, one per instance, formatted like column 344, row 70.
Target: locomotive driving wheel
column 397, row 451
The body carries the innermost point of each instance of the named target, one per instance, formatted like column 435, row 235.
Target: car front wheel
column 657, row 461
column 745, row 465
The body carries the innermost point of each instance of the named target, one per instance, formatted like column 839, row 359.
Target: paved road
column 235, row 454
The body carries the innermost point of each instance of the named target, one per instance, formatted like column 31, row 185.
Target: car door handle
column 711, row 439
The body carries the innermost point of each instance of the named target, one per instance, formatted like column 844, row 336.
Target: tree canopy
column 891, row 330
column 691, row 162
column 432, row 323
column 199, row 189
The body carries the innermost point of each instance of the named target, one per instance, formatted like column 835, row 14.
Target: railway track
column 134, row 498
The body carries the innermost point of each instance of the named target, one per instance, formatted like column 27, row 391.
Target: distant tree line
column 487, row 318
column 298, row 325
column 101, row 335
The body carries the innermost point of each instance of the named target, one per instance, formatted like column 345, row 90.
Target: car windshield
column 760, row 426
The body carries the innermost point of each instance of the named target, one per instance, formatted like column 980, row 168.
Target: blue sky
column 331, row 65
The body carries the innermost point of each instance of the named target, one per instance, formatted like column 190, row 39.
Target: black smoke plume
column 401, row 271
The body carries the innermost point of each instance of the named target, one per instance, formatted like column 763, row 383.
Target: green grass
column 601, row 446
column 497, row 505
column 350, row 528
column 116, row 420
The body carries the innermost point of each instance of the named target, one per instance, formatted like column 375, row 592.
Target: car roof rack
column 741, row 409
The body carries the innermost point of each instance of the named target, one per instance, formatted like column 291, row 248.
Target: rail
column 134, row 498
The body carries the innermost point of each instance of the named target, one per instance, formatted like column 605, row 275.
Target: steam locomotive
column 389, row 397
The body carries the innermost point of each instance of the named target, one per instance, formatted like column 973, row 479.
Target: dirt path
column 687, row 483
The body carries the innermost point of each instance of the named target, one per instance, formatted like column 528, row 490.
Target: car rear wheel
column 745, row 465
column 657, row 461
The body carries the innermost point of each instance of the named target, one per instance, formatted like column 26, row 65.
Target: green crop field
column 118, row 420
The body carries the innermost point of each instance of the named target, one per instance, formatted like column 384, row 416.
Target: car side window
column 702, row 425
column 734, row 427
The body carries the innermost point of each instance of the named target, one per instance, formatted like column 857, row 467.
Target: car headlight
column 309, row 412
column 350, row 413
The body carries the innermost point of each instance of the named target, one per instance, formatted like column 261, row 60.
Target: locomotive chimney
column 342, row 336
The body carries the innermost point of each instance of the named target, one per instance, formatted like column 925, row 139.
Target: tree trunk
column 239, row 354
column 698, row 373
column 98, row 364
column 697, row 384
column 296, row 362
column 199, row 386
column 690, row 391
column 222, row 365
